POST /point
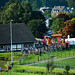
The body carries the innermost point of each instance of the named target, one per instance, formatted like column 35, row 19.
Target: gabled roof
column 60, row 8
column 20, row 34
column 57, row 9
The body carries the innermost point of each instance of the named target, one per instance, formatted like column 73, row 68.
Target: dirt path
column 54, row 60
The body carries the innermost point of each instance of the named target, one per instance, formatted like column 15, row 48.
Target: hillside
column 2, row 2
column 36, row 4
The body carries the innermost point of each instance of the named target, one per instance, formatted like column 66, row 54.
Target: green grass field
column 20, row 68
column 60, row 63
column 36, row 68
column 31, row 70
column 23, row 73
column 33, row 58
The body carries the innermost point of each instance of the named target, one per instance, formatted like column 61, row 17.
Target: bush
column 50, row 65
column 67, row 68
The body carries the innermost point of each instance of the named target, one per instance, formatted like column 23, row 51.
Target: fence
column 58, row 51
column 28, row 60
column 62, row 51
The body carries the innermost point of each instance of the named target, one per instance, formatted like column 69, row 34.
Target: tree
column 17, row 15
column 57, row 25
column 36, row 4
column 22, row 13
column 0, row 17
column 50, row 22
column 26, row 6
column 63, row 24
column 47, row 13
column 37, row 15
column 73, row 14
column 50, row 64
column 64, row 16
column 69, row 28
column 67, row 68
column 71, row 3
column 37, row 27
column 11, row 1
column 17, row 1
column 8, row 3
column 72, row 22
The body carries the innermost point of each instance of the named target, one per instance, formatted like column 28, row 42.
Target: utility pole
column 11, row 41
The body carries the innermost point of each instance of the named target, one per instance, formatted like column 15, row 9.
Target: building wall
column 16, row 46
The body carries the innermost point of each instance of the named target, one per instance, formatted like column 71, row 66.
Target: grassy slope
column 61, row 64
column 32, row 68
column 13, row 72
column 16, row 70
column 18, row 67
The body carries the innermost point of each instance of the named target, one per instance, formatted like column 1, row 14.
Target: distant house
column 42, row 9
column 58, row 9
column 21, row 36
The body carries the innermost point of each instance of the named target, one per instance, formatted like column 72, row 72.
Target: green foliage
column 21, row 12
column 47, row 13
column 71, row 3
column 57, row 25
column 61, row 24
column 73, row 14
column 26, row 6
column 64, row 16
column 53, row 16
column 50, row 3
column 36, row 4
column 37, row 15
column 21, row 72
column 50, row 23
column 67, row 68
column 37, row 27
column 7, row 4
column 50, row 65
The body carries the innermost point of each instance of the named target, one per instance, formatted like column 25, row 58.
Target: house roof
column 20, row 34
column 57, row 9
column 60, row 8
